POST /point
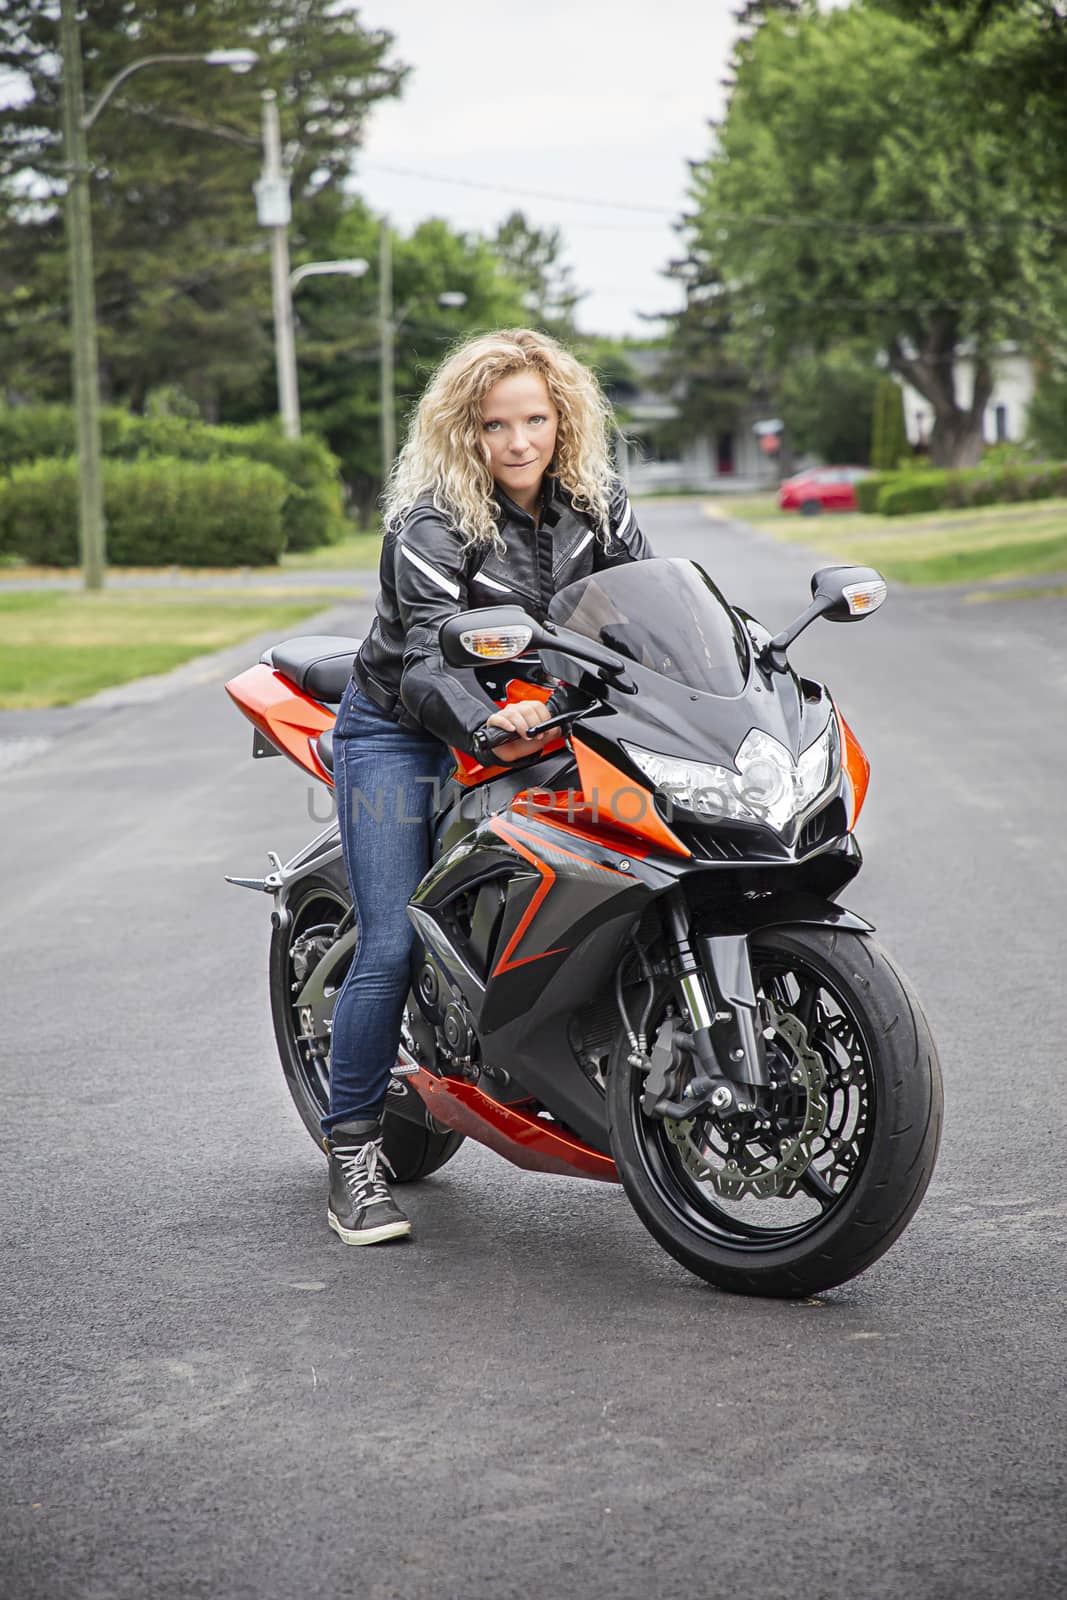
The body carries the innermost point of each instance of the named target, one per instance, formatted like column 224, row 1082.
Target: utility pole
column 387, row 337
column 272, row 199
column 91, row 526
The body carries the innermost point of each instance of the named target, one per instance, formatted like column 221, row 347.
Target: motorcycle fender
column 777, row 910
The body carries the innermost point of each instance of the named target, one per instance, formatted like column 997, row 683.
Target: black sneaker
column 361, row 1209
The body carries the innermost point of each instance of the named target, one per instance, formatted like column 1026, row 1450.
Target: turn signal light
column 864, row 597
column 496, row 644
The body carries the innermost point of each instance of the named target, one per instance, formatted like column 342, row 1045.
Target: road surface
column 204, row 1394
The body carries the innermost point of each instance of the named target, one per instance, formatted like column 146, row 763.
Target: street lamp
column 354, row 268
column 76, row 123
column 284, row 283
column 389, row 326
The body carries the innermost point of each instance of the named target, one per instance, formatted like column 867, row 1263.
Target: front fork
column 715, row 986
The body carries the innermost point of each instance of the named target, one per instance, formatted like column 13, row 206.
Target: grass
column 978, row 545
column 59, row 647
column 754, row 508
column 358, row 552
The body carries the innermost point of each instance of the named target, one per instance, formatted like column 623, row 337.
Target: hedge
column 908, row 492
column 868, row 489
column 905, row 493
column 158, row 513
column 313, row 513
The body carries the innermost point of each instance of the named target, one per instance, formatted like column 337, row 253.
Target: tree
column 337, row 335
column 750, row 15
column 183, row 287
column 852, row 193
column 1046, row 423
column 827, row 401
column 1012, row 59
column 889, row 440
column 701, row 371
column 532, row 258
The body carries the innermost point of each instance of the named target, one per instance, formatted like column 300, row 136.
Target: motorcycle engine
column 444, row 1035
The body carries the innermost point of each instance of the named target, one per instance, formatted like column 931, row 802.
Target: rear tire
column 895, row 1135
column 413, row 1150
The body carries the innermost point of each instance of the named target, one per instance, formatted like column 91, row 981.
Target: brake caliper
column 767, row 1153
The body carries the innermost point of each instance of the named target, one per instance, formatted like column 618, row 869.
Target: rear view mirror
column 840, row 594
column 492, row 633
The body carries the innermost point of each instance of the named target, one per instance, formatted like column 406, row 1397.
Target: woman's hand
column 521, row 718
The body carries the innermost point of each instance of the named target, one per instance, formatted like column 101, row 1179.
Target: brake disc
column 763, row 1167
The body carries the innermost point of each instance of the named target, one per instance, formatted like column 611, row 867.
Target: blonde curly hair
column 445, row 452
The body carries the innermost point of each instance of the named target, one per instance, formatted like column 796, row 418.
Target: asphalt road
column 202, row 1393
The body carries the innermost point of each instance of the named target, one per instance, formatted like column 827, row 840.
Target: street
column 204, row 1394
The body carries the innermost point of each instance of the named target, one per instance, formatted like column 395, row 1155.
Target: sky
column 604, row 100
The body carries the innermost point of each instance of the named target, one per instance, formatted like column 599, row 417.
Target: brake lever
column 495, row 736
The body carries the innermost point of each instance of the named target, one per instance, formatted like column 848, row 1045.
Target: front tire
column 870, row 1168
column 317, row 906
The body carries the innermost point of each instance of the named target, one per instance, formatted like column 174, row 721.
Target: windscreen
column 666, row 615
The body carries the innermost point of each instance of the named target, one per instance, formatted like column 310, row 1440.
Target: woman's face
column 519, row 424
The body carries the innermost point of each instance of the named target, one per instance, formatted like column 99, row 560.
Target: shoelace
column 360, row 1168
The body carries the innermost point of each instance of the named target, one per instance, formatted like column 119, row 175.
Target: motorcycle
column 630, row 961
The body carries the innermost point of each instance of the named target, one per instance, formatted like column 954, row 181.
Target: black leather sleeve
column 431, row 586
column 625, row 541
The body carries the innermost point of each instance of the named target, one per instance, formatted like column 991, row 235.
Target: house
column 1004, row 420
column 652, row 455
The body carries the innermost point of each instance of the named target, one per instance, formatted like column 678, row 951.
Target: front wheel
column 819, row 1180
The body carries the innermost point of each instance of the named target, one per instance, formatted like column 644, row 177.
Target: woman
column 502, row 491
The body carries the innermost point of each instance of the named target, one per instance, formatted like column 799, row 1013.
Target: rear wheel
column 319, row 915
column 817, row 1183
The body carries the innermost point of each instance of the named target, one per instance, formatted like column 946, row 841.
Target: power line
column 532, row 194
column 742, row 219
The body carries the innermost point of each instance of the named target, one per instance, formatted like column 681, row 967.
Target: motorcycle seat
column 318, row 663
column 324, row 747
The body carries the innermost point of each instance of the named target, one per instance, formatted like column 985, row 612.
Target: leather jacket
column 427, row 576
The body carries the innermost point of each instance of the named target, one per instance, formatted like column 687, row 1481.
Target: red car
column 821, row 489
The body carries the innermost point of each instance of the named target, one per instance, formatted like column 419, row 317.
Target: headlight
column 768, row 785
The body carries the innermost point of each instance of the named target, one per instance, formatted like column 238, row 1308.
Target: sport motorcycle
column 630, row 963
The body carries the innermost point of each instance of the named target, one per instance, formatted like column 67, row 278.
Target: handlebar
column 491, row 737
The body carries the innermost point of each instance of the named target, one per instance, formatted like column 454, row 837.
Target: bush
column 27, row 432
column 868, row 490
column 908, row 492
column 159, row 513
column 1009, row 453
column 313, row 513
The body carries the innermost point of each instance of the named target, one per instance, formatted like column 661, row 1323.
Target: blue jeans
column 385, row 781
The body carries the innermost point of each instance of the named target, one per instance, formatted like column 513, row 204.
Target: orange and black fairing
column 516, row 1132
column 548, row 859
column 516, row 896
column 284, row 714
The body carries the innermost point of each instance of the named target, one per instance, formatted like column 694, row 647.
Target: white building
column 1004, row 419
